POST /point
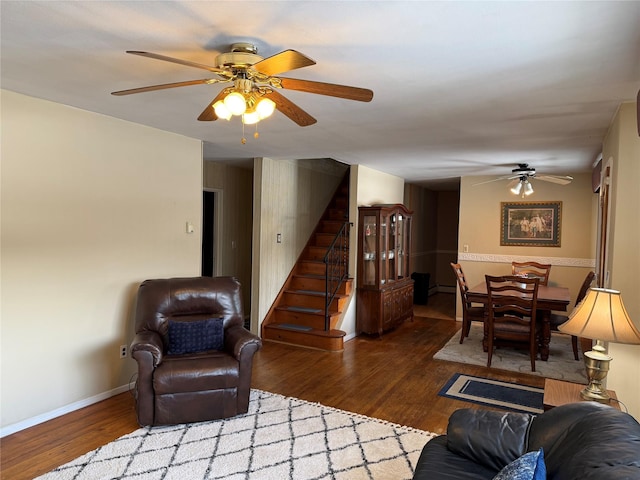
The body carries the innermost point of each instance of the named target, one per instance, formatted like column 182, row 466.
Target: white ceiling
column 460, row 88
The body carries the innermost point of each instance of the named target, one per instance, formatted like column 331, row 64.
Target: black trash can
column 420, row 288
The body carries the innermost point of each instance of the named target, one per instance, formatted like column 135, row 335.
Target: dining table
column 549, row 298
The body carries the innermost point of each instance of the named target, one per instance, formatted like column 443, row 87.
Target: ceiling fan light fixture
column 235, row 103
column 265, row 108
column 221, row 110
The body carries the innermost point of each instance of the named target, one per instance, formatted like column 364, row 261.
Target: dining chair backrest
column 512, row 299
column 585, row 287
column 462, row 281
column 511, row 303
column 532, row 270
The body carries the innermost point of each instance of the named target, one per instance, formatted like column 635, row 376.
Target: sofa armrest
column 492, row 439
column 238, row 339
column 150, row 342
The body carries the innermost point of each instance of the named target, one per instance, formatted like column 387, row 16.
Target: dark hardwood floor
column 393, row 378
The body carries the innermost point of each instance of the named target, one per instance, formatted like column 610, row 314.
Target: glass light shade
column 221, row 110
column 265, row 108
column 517, row 188
column 235, row 103
column 528, row 188
column 250, row 118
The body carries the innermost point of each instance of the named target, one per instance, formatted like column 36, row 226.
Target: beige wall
column 234, row 187
column 622, row 149
column 367, row 187
column 289, row 198
column 480, row 229
column 91, row 206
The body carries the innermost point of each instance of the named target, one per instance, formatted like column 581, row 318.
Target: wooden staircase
column 298, row 314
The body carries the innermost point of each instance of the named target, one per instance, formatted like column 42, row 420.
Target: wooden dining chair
column 557, row 319
column 532, row 269
column 511, row 319
column 470, row 313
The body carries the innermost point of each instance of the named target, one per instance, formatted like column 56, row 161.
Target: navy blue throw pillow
column 196, row 336
column 529, row 466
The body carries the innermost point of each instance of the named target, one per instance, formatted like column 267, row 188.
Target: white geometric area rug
column 279, row 438
column 561, row 364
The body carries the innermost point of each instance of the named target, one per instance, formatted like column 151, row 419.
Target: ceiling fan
column 255, row 78
column 521, row 175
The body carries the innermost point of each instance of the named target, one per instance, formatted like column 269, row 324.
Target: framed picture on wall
column 530, row 223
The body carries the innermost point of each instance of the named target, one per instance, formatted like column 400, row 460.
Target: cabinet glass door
column 393, row 246
column 369, row 250
column 384, row 242
column 400, row 249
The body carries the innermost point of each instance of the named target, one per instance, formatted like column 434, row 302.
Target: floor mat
column 494, row 393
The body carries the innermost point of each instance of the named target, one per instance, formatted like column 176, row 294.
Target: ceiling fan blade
column 209, row 114
column 509, row 177
column 187, row 63
column 330, row 89
column 291, row 110
column 283, row 62
column 560, row 180
column 151, row 88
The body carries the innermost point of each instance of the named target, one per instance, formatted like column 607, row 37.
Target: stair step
column 313, row 319
column 310, row 267
column 317, row 283
column 289, row 326
column 330, row 226
column 310, row 299
column 332, row 340
column 315, row 253
column 303, row 309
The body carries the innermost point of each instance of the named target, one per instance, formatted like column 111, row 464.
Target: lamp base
column 595, row 393
column 597, row 366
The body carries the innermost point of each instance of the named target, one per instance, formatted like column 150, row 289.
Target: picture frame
column 536, row 224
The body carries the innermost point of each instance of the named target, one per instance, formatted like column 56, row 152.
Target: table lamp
column 601, row 316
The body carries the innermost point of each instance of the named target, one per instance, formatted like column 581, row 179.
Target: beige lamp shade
column 602, row 316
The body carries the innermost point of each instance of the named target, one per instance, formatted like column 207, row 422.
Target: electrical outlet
column 124, row 351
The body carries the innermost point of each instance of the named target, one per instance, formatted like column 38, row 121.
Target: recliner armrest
column 236, row 338
column 148, row 341
column 492, row 439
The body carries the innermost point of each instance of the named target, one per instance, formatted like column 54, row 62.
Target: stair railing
column 336, row 263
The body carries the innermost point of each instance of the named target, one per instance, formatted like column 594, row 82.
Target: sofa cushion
column 195, row 336
column 198, row 372
column 602, row 444
column 438, row 462
column 529, row 466
column 489, row 438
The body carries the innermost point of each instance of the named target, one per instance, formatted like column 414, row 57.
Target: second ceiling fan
column 254, row 79
column 521, row 175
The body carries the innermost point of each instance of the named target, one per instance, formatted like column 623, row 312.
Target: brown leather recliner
column 176, row 384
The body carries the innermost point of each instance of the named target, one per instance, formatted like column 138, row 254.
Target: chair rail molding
column 559, row 261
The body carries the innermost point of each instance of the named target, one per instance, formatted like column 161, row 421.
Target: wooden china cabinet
column 385, row 287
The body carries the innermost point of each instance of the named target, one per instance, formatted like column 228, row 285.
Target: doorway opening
column 211, row 203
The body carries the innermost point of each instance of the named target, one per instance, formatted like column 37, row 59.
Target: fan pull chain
column 255, row 134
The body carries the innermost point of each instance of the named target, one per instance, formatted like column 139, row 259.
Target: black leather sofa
column 581, row 441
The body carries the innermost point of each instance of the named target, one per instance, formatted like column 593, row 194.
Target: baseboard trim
column 58, row 412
